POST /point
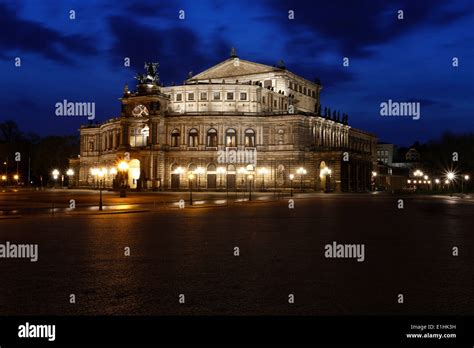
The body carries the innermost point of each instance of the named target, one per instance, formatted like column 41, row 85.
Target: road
column 190, row 251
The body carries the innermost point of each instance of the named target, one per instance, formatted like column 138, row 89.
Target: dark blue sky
column 402, row 60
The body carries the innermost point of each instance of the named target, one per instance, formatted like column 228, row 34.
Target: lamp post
column 242, row 171
column 292, row 176
column 94, row 172
column 199, row 171
column 101, row 173
column 324, row 174
column 191, row 178
column 70, row 174
column 450, row 177
column 221, row 171
column 4, row 179
column 262, row 171
column 6, row 171
column 113, row 172
column 301, row 171
column 250, row 177
column 374, row 176
column 466, row 178
column 179, row 171
column 17, row 178
column 123, row 168
column 55, row 173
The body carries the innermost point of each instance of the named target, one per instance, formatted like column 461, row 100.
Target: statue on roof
column 151, row 75
column 233, row 53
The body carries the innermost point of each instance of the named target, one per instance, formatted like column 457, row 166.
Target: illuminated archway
column 324, row 177
column 133, row 173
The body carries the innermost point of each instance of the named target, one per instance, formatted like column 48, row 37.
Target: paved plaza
column 228, row 255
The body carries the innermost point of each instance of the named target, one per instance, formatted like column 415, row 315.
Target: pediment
column 233, row 67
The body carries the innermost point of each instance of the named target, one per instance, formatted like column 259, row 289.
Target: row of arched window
column 211, row 138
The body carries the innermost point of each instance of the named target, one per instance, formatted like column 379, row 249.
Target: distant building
column 391, row 178
column 412, row 155
column 391, row 173
column 385, row 153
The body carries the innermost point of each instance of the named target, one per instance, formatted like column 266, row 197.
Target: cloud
column 32, row 37
column 178, row 49
column 148, row 9
column 354, row 27
column 430, row 102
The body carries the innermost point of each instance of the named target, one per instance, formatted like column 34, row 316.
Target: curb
column 110, row 212
column 10, row 217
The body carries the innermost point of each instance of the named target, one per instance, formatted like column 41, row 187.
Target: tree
column 9, row 132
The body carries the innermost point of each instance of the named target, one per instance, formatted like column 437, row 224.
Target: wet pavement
column 190, row 251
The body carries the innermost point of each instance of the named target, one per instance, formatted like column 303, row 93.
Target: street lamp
column 113, row 172
column 199, row 171
column 191, row 178
column 466, row 178
column 178, row 171
column 55, row 173
column 323, row 174
column 301, row 171
column 250, row 177
column 262, row 171
column 418, row 173
column 292, row 176
column 221, row 171
column 69, row 174
column 16, row 177
column 374, row 175
column 243, row 171
column 123, row 168
column 101, row 173
column 450, row 176
column 6, row 172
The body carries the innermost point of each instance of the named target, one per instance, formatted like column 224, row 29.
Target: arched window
column 231, row 138
column 193, row 138
column 145, row 134
column 212, row 138
column 117, row 138
column 175, row 136
column 211, row 167
column 280, row 136
column 250, row 138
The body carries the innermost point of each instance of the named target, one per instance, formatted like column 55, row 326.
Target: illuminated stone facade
column 235, row 108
